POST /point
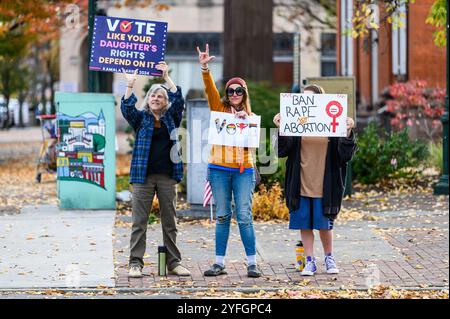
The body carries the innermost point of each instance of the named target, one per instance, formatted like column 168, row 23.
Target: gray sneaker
column 253, row 271
column 215, row 270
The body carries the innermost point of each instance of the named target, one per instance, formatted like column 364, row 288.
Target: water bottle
column 162, row 251
column 299, row 256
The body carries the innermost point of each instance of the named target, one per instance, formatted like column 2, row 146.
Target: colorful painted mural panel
column 81, row 148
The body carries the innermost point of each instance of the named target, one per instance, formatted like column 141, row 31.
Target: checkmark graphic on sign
column 125, row 26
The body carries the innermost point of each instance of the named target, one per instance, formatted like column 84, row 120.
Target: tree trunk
column 6, row 88
column 248, row 49
column 21, row 98
column 52, row 96
column 20, row 124
column 43, row 99
column 34, row 94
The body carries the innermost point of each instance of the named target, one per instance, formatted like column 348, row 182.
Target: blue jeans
column 225, row 183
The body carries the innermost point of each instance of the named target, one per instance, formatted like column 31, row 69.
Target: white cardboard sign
column 313, row 114
column 226, row 129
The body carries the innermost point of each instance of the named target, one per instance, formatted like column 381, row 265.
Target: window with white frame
column 346, row 39
column 399, row 44
column 328, row 54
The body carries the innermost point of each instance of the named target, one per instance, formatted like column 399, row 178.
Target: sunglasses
column 239, row 91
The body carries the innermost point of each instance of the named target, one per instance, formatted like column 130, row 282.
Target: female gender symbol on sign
column 242, row 126
column 334, row 110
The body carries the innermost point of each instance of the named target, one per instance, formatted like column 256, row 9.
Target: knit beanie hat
column 239, row 81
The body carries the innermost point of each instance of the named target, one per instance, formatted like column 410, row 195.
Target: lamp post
column 93, row 85
column 441, row 188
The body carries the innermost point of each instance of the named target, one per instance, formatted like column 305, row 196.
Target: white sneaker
column 179, row 271
column 135, row 272
column 330, row 264
column 310, row 267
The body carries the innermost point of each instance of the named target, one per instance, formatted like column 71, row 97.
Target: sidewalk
column 44, row 247
column 404, row 249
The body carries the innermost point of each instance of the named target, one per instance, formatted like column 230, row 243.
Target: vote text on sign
column 226, row 129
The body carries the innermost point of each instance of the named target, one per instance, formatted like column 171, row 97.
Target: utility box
column 198, row 114
column 86, row 159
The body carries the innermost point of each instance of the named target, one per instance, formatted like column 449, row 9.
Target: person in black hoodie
column 314, row 185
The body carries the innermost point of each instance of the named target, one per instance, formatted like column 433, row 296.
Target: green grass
column 435, row 158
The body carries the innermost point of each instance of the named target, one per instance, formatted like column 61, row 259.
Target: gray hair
column 153, row 89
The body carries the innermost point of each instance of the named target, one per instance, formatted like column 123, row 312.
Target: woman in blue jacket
column 156, row 166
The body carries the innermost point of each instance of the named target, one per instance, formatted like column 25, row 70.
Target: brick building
column 389, row 55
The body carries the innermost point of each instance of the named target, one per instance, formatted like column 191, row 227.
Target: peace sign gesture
column 203, row 57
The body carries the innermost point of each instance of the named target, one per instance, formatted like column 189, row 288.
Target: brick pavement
column 418, row 257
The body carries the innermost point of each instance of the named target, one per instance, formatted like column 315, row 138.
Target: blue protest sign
column 129, row 44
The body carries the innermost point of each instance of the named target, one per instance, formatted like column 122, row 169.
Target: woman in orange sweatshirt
column 230, row 172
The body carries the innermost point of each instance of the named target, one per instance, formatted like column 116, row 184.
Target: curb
column 201, row 289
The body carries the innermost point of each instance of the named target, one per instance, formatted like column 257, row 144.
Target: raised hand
column 162, row 66
column 204, row 57
column 130, row 77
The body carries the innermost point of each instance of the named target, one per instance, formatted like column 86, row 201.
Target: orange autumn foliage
column 269, row 204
